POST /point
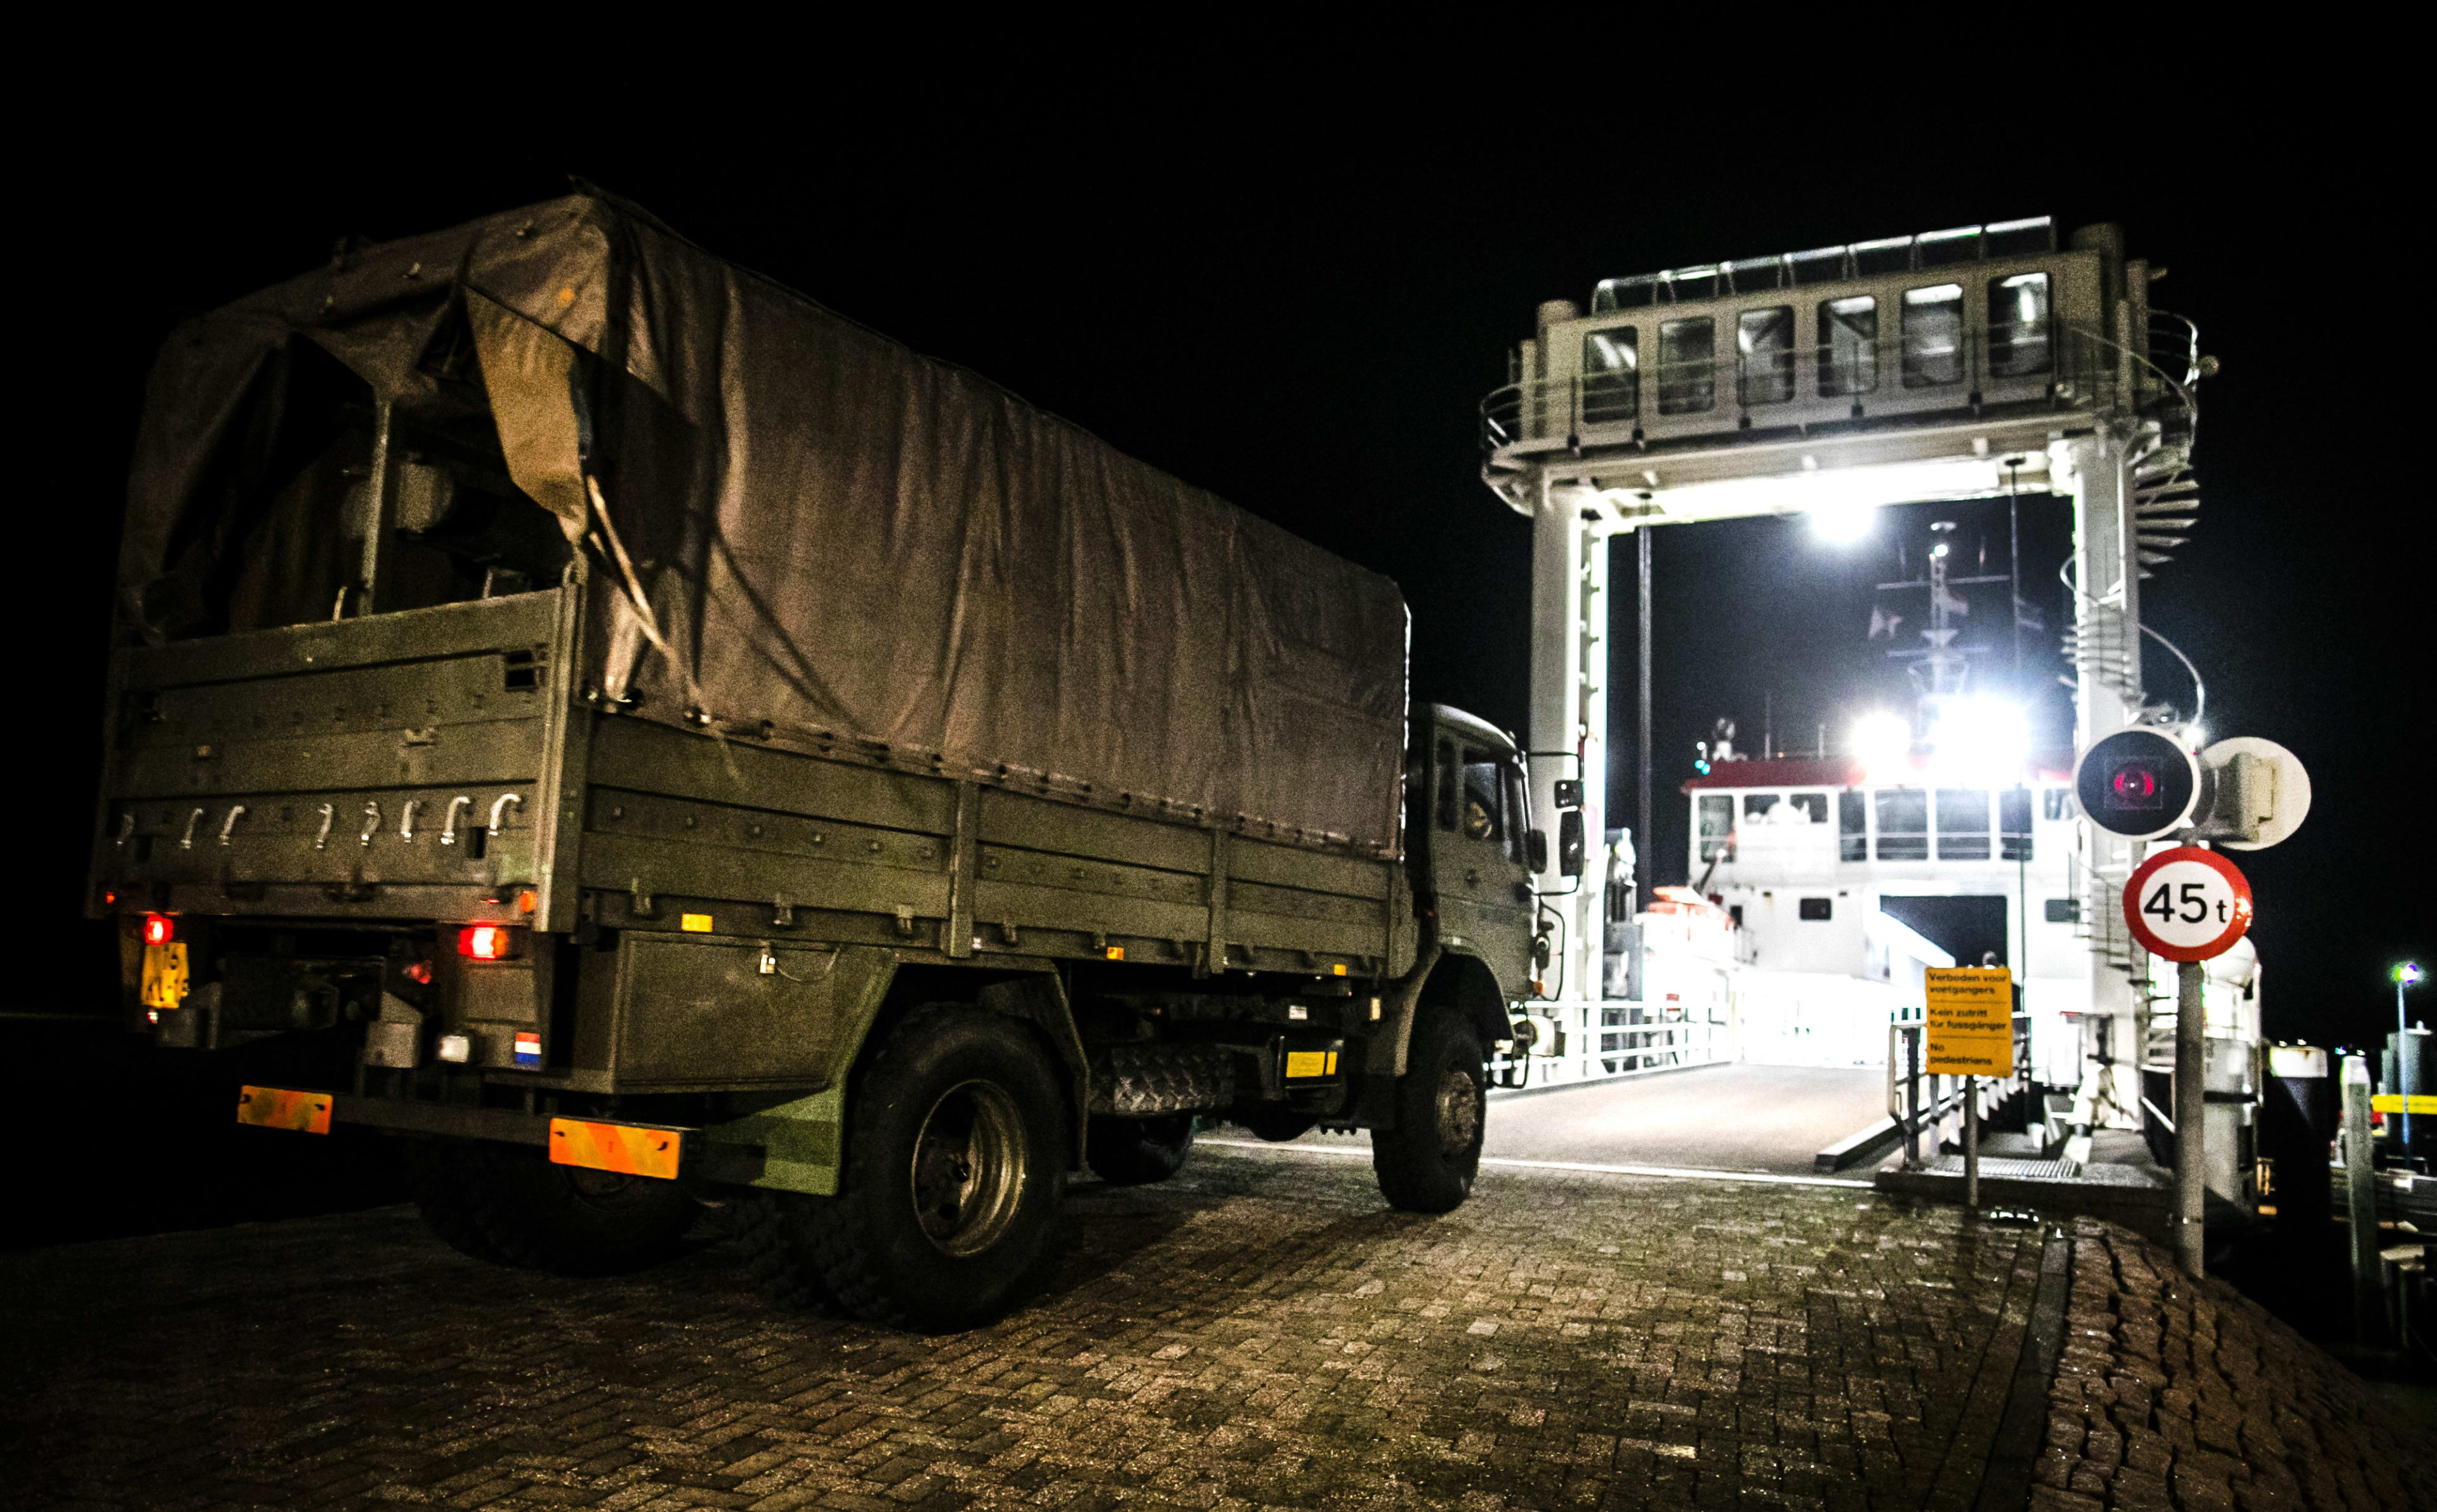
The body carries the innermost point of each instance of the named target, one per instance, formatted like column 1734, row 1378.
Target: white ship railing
column 1593, row 1043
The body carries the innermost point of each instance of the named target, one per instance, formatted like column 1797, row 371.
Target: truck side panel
column 716, row 842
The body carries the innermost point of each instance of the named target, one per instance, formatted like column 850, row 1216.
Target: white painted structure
column 1957, row 364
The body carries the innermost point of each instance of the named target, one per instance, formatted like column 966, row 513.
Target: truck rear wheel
column 1426, row 1163
column 1130, row 1152
column 509, row 1205
column 956, row 1164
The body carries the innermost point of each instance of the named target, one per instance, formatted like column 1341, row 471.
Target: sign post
column 1969, row 1031
column 2189, row 904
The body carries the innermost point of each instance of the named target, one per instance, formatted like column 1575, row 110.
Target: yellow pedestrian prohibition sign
column 1970, row 1021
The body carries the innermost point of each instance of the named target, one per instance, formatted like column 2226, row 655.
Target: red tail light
column 159, row 929
column 487, row 942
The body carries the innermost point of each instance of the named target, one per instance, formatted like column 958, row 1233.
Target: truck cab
column 1473, row 844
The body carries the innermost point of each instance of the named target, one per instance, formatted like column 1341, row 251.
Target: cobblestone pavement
column 1259, row 1331
column 2170, row 1393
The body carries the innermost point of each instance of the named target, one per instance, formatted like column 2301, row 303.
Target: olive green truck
column 685, row 748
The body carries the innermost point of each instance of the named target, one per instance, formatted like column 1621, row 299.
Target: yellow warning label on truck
column 165, row 975
column 1970, row 1021
column 1302, row 1063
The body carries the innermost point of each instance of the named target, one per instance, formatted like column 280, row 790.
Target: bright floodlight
column 1979, row 741
column 2407, row 973
column 1882, row 742
column 1841, row 523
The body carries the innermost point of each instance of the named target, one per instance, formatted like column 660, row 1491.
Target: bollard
column 1912, row 1059
column 2360, row 1203
column 1972, row 1143
column 2191, row 1115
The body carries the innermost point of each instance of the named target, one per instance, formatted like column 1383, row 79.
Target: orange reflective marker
column 620, row 1147
column 272, row 1107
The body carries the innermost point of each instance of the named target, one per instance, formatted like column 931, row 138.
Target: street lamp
column 2405, row 975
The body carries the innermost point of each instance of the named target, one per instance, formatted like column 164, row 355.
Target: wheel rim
column 969, row 1168
column 1459, row 1113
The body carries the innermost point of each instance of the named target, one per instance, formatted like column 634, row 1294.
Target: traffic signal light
column 2244, row 793
column 2139, row 783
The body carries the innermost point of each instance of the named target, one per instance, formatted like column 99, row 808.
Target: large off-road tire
column 955, row 1168
column 509, row 1205
column 1426, row 1163
column 1131, row 1152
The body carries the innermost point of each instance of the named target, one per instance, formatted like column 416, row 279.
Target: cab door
column 1478, row 825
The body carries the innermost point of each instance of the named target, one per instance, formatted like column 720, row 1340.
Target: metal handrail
column 1561, row 407
column 1591, row 1046
column 2082, row 373
column 1919, row 1115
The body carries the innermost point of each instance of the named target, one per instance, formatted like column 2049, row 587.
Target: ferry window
column 1764, row 344
column 2064, row 911
column 1756, row 804
column 1853, row 821
column 1717, row 826
column 1448, row 786
column 1688, row 365
column 1816, row 910
column 1848, row 345
column 1962, row 824
column 1903, row 824
column 2018, row 325
column 1483, row 797
column 2056, row 804
column 1611, row 374
column 1812, row 807
column 1932, row 336
column 2014, row 825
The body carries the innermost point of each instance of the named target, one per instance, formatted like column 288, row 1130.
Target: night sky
column 1304, row 323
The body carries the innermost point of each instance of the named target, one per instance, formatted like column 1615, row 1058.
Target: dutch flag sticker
column 529, row 1049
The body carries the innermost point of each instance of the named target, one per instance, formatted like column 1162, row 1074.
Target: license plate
column 275, row 1107
column 164, row 974
column 624, row 1148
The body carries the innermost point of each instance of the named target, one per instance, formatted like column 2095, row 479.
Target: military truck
column 688, row 748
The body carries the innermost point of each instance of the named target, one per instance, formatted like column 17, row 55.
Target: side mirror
column 1568, row 792
column 1571, row 849
column 1536, row 849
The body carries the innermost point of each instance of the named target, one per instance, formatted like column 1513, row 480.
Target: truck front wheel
column 1130, row 1152
column 1426, row 1163
column 956, row 1164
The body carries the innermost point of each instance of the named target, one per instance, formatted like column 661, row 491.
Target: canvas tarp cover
column 831, row 533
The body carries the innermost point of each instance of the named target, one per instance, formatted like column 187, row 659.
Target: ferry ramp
column 1733, row 1117
column 1730, row 1116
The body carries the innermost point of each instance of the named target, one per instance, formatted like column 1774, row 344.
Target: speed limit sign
column 2187, row 904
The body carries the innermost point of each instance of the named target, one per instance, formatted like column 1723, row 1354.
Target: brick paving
column 2170, row 1393
column 1260, row 1332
